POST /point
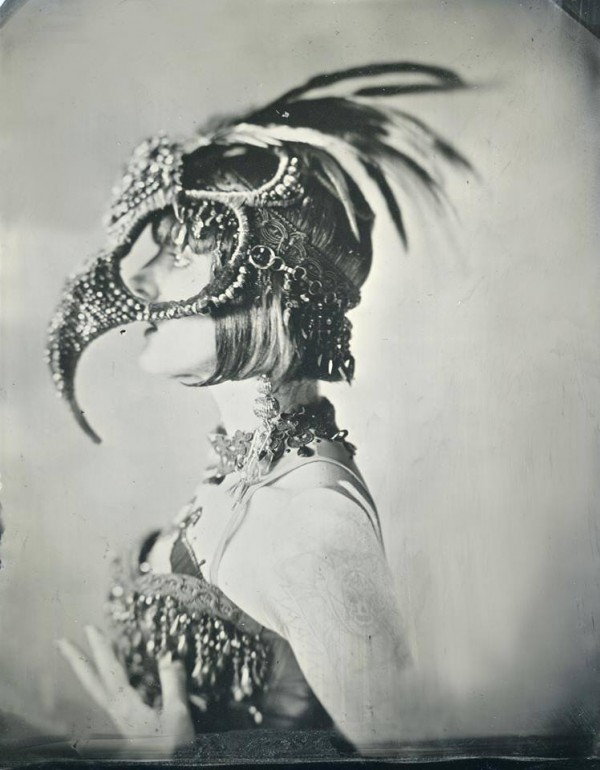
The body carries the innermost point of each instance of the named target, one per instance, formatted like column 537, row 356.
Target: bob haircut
column 254, row 337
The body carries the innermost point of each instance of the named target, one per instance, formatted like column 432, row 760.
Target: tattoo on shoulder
column 352, row 589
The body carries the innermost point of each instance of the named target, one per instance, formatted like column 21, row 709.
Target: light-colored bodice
column 240, row 673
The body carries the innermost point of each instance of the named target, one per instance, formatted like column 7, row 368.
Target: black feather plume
column 350, row 107
column 382, row 183
column 445, row 79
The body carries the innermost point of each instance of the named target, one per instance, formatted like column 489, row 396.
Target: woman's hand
column 105, row 680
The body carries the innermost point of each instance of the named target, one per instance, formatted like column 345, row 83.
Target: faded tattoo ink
column 329, row 597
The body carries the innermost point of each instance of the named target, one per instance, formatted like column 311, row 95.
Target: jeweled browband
column 315, row 292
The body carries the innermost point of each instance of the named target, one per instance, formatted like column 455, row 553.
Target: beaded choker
column 292, row 431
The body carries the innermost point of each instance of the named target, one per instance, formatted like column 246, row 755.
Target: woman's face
column 184, row 348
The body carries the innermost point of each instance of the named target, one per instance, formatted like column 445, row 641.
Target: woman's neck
column 235, row 401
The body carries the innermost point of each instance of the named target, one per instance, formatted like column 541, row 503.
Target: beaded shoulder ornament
column 182, row 615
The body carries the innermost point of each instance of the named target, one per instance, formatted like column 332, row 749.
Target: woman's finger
column 175, row 717
column 173, row 683
column 83, row 670
column 109, row 666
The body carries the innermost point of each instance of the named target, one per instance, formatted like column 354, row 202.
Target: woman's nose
column 143, row 283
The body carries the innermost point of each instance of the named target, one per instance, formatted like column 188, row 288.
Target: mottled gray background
column 476, row 405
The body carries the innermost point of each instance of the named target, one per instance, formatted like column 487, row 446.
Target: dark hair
column 253, row 338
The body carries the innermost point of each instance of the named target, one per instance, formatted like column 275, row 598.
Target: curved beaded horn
column 97, row 299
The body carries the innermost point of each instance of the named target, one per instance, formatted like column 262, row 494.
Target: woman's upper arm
column 330, row 593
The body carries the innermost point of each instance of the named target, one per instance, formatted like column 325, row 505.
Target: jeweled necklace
column 285, row 432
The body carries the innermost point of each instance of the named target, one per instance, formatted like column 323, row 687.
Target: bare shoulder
column 316, row 515
column 291, row 538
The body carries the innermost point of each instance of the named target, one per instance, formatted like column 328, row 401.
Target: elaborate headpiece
column 311, row 136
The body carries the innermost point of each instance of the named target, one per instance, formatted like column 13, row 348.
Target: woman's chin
column 185, row 372
column 189, row 379
column 185, row 352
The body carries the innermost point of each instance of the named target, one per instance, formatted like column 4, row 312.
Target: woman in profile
column 267, row 602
